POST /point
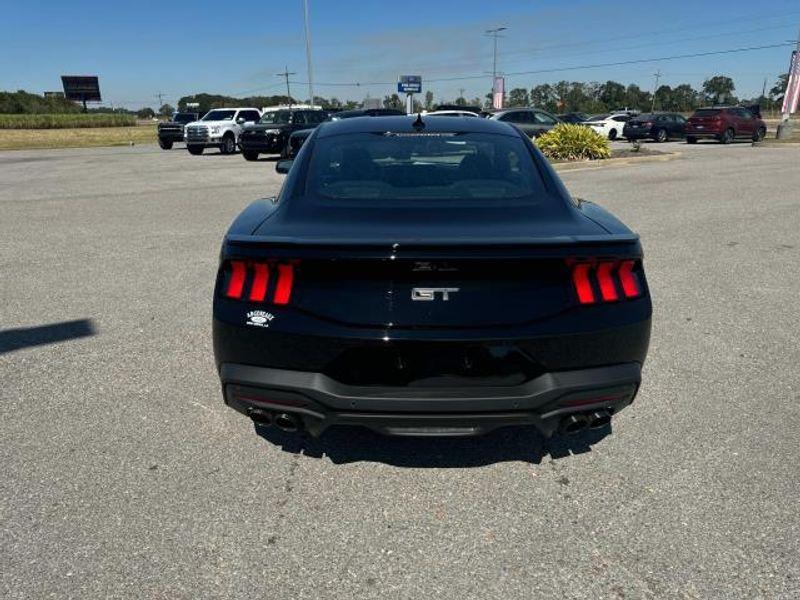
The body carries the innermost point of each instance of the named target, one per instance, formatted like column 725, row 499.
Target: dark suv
column 271, row 134
column 171, row 131
column 656, row 126
column 726, row 123
column 533, row 121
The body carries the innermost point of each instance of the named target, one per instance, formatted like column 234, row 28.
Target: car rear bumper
column 703, row 133
column 637, row 135
column 318, row 402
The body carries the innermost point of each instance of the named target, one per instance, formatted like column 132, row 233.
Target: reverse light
column 253, row 281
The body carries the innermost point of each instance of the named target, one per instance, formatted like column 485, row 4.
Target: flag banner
column 498, row 92
column 792, row 94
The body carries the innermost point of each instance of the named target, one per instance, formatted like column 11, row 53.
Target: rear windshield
column 706, row 112
column 425, row 166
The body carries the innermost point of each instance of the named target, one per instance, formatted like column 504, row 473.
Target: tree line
column 595, row 97
column 560, row 97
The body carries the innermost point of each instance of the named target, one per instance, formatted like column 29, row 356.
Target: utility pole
column 308, row 54
column 657, row 75
column 494, row 33
column 285, row 75
column 159, row 95
column 461, row 92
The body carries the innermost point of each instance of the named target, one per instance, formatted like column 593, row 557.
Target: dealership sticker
column 259, row 318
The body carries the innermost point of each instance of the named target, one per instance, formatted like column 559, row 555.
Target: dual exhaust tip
column 284, row 421
column 570, row 425
column 596, row 419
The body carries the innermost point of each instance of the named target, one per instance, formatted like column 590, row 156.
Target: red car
column 726, row 123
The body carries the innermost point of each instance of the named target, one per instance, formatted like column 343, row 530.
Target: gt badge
column 430, row 294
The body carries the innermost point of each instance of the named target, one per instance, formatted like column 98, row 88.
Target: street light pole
column 494, row 33
column 308, row 54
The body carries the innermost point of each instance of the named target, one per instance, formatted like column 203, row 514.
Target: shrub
column 65, row 121
column 573, row 142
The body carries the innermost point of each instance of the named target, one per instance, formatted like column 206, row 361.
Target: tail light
column 258, row 281
column 605, row 281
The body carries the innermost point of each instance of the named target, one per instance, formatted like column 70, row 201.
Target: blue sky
column 142, row 48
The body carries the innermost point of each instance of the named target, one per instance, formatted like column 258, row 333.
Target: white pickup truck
column 219, row 128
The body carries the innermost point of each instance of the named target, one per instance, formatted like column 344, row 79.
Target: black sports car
column 428, row 277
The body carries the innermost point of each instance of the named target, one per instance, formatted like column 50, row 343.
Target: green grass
column 84, row 137
column 65, row 121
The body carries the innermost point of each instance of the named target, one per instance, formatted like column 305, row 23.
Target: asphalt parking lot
column 125, row 476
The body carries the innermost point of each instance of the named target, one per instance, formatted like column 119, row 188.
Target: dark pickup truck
column 271, row 134
column 171, row 131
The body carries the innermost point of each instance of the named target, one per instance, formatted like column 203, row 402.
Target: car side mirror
column 283, row 165
column 241, row 121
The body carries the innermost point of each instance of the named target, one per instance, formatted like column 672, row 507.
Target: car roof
column 405, row 124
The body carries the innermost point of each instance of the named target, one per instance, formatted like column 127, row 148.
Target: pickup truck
column 219, row 128
column 271, row 134
column 171, row 131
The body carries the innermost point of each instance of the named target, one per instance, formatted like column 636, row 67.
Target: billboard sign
column 409, row 84
column 81, row 88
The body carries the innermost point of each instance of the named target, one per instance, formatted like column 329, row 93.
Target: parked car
column 428, row 278
column 573, row 117
column 452, row 113
column 656, row 126
column 609, row 125
column 473, row 109
column 271, row 134
column 298, row 138
column 726, row 123
column 532, row 121
column 219, row 128
column 172, row 131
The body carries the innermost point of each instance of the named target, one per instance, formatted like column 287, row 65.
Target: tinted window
column 251, row 116
column 679, row 119
column 420, row 167
column 744, row 113
column 316, row 116
column 621, row 119
column 516, row 117
column 277, row 117
column 184, row 117
column 219, row 115
column 706, row 112
column 542, row 118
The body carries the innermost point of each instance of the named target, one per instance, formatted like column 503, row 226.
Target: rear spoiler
column 597, row 245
